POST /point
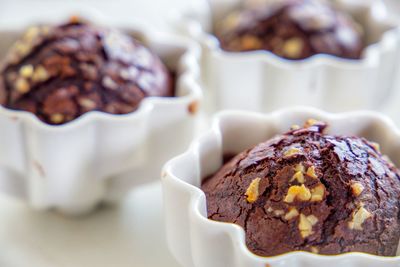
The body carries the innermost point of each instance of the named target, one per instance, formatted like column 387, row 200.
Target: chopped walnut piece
column 279, row 212
column 22, row 48
column 299, row 177
column 252, row 190
column 301, row 193
column 294, row 127
column 358, row 218
column 249, row 42
column 87, row 103
column 291, row 151
column 312, row 219
column 357, row 188
column 306, row 223
column 314, row 249
column 299, row 173
column 40, row 74
column 57, row 118
column 75, row 19
column 26, row 71
column 293, row 47
column 31, row 33
column 376, row 146
column 310, row 122
column 318, row 192
column 292, row 213
column 22, row 85
column 193, row 107
column 311, row 172
column 299, row 168
column 109, row 83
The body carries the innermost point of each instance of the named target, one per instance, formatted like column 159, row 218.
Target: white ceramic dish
column 196, row 241
column 75, row 166
column 261, row 81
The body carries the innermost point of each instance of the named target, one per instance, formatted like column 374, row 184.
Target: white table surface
column 130, row 234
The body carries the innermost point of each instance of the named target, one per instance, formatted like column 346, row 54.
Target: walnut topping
column 87, row 103
column 130, row 73
column 314, row 249
column 74, row 19
column 252, row 190
column 376, row 146
column 311, row 172
column 359, row 218
column 40, row 74
column 318, row 192
column 312, row 219
column 306, row 224
column 292, row 213
column 294, row 127
column 26, row 71
column 301, row 193
column 293, row 47
column 21, row 48
column 22, row 85
column 279, row 212
column 310, row 122
column 299, row 177
column 291, row 151
column 299, row 170
column 250, row 42
column 357, row 188
column 193, row 107
column 32, row 33
column 57, row 118
column 109, row 83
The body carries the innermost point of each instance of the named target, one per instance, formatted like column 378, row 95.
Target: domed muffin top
column 62, row 72
column 293, row 29
column 306, row 190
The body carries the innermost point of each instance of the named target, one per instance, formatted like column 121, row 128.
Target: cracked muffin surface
column 62, row 72
column 310, row 191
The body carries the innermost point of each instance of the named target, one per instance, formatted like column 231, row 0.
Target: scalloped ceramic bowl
column 199, row 242
column 262, row 81
column 99, row 156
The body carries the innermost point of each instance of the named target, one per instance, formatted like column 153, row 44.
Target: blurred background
column 154, row 13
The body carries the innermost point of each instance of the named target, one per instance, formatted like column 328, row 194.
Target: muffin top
column 306, row 190
column 292, row 29
column 62, row 72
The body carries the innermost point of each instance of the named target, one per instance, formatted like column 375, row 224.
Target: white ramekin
column 196, row 241
column 262, row 81
column 99, row 156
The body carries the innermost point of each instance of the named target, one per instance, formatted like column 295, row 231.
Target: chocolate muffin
column 62, row 72
column 306, row 190
column 292, row 29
